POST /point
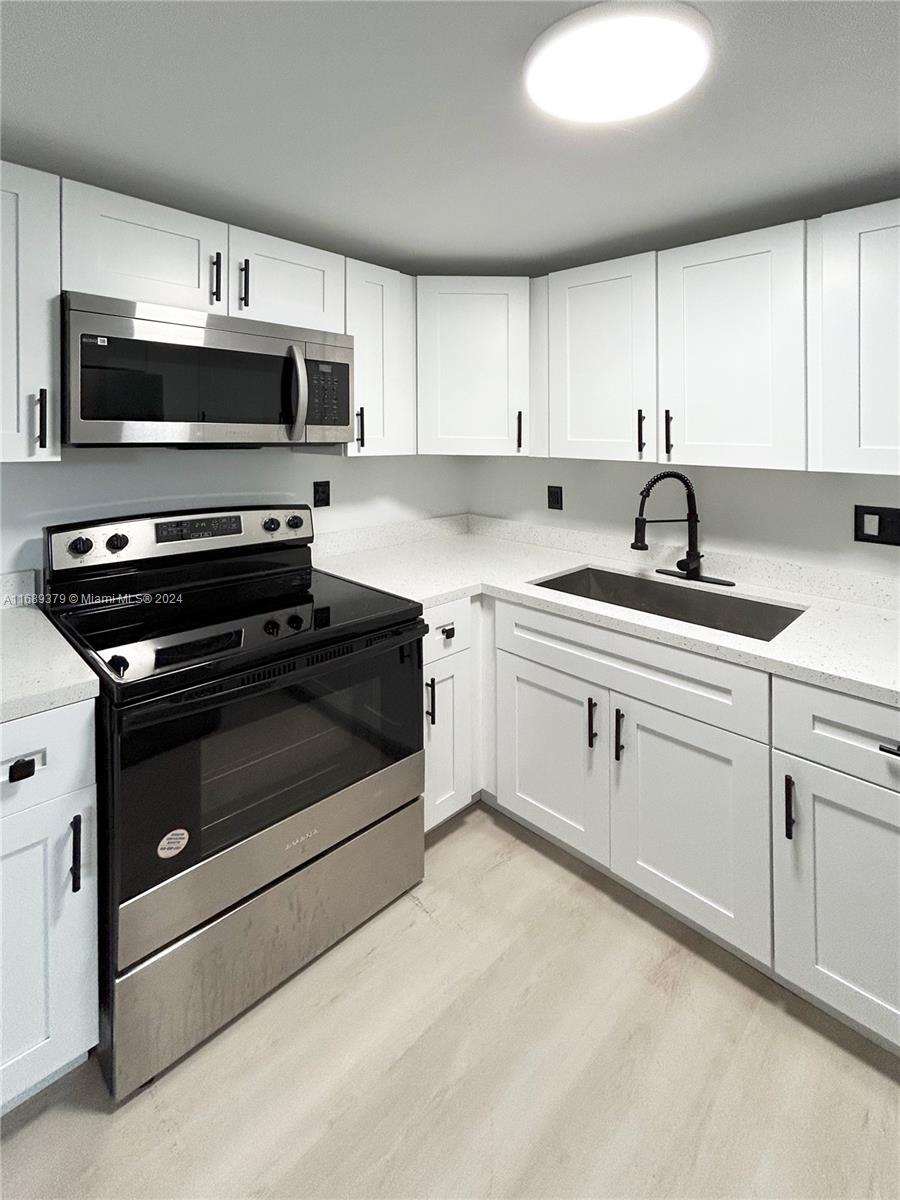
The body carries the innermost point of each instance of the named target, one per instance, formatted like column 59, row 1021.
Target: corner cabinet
column 381, row 316
column 286, row 283
column 552, row 760
column 48, row 920
column 854, row 347
column 29, row 252
column 473, row 365
column 603, row 360
column 732, row 351
column 114, row 245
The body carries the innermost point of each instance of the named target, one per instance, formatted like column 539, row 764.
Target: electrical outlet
column 321, row 494
column 874, row 523
column 554, row 496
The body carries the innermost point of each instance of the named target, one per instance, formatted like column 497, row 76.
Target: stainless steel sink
column 750, row 618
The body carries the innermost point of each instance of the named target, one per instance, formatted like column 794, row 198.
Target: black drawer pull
column 448, row 633
column 789, row 821
column 431, row 713
column 518, row 431
column 895, row 750
column 245, row 297
column 619, row 745
column 640, row 441
column 592, row 732
column 76, row 853
column 216, row 291
column 361, row 417
column 668, row 421
column 22, row 768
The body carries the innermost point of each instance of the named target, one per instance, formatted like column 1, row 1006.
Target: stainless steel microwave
column 146, row 375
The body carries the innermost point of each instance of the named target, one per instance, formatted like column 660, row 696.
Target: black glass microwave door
column 227, row 772
column 123, row 379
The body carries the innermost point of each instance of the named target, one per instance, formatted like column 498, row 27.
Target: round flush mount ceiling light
column 615, row 61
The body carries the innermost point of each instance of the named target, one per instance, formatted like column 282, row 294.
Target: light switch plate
column 876, row 523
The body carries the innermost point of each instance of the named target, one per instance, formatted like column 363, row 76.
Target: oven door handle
column 297, row 432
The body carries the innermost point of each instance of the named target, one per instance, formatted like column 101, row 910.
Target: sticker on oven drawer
column 173, row 843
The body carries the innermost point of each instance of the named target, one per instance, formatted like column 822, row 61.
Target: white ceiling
column 399, row 131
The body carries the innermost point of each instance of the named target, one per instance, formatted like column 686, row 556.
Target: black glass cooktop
column 162, row 639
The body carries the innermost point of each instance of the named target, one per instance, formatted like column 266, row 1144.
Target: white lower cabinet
column 552, row 761
column 48, row 937
column 690, row 820
column 448, row 737
column 836, row 862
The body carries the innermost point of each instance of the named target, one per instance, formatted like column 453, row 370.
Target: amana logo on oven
column 298, row 841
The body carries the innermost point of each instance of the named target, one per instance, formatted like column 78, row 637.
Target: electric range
column 260, row 764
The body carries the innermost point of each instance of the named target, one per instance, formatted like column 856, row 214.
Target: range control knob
column 270, row 524
column 119, row 664
column 79, row 546
column 116, row 542
column 272, row 628
column 295, row 621
column 294, row 522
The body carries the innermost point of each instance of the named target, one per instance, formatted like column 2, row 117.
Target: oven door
column 235, row 789
column 137, row 381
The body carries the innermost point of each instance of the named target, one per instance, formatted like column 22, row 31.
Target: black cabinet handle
column 668, row 420
column 448, row 633
column 361, row 417
column 789, row 821
column 245, row 297
column 592, row 732
column 431, row 713
column 518, row 430
column 895, row 750
column 216, row 291
column 76, row 853
column 22, row 768
column 640, row 431
column 42, row 418
column 619, row 746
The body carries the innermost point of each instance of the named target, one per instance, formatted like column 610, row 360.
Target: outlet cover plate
column 554, row 496
column 321, row 493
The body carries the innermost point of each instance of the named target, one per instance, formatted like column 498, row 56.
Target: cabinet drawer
column 61, row 742
column 719, row 693
column 448, row 629
column 838, row 731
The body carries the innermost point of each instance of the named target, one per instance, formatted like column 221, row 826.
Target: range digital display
column 197, row 527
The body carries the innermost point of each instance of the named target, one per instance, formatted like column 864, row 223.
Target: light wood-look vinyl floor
column 517, row 1026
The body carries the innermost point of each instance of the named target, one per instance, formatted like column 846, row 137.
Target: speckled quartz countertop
column 39, row 670
column 838, row 644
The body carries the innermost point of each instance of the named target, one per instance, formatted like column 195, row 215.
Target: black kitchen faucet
column 689, row 566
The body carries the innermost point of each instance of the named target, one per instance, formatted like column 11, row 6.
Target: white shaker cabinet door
column 690, row 820
column 284, row 283
column 855, row 341
column 473, row 364
column 603, row 360
column 29, row 266
column 836, row 866
column 381, row 316
column 114, row 245
column 49, row 939
column 732, row 351
column 448, row 737
column 552, row 756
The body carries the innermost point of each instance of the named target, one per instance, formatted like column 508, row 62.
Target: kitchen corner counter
column 848, row 647
column 39, row 670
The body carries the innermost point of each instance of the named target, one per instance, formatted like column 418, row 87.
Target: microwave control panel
column 329, row 393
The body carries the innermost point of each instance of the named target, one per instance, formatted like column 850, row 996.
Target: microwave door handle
column 297, row 431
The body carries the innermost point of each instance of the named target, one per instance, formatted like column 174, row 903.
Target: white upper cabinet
column 732, row 350
column 381, row 316
column 854, row 340
column 131, row 249
column 473, row 357
column 29, row 268
column 603, row 360
column 270, row 279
